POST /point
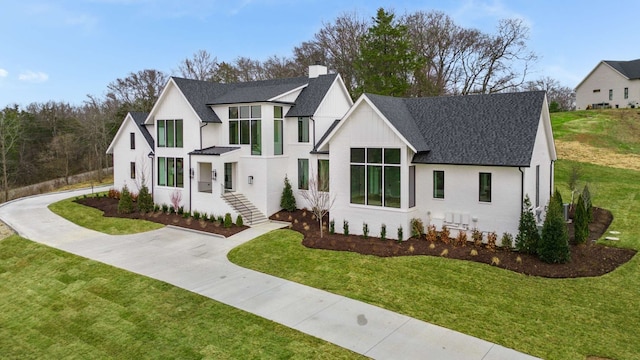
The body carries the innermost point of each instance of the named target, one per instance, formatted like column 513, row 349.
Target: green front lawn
column 92, row 218
column 55, row 305
column 549, row 318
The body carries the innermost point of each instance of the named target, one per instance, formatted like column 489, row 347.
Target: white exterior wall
column 124, row 156
column 211, row 203
column 603, row 78
column 333, row 107
column 542, row 156
column 364, row 128
column 175, row 106
column 461, row 198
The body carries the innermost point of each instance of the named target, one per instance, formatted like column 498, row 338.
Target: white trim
column 275, row 98
column 150, row 118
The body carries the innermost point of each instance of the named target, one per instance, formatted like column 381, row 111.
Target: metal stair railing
column 238, row 201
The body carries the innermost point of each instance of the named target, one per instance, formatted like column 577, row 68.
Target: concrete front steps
column 250, row 213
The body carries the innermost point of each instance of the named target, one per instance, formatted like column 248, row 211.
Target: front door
column 228, row 176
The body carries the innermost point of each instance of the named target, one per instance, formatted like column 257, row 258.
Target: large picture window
column 245, row 127
column 485, row 187
column 438, row 184
column 375, row 177
column 171, row 172
column 170, row 133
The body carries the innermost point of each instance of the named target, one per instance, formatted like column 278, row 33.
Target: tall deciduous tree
column 138, row 91
column 201, row 66
column 387, row 62
column 10, row 133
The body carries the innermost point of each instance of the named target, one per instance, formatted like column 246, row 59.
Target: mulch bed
column 110, row 208
column 587, row 260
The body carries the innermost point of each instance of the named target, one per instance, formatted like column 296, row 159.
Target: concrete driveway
column 198, row 263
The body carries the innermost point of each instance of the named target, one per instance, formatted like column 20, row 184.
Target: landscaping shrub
column 227, row 220
column 400, row 231
column 239, row 221
column 125, row 204
column 165, row 209
column 221, row 219
column 432, row 234
column 506, row 241
column 528, row 238
column 145, row 201
column 444, row 234
column 332, row 227
column 476, row 235
column 196, row 215
column 417, row 228
column 287, row 200
column 554, row 244
column 461, row 239
column 134, row 196
column 180, row 210
column 383, row 232
column 156, row 207
column 205, row 217
column 114, row 194
column 581, row 222
column 365, row 230
column 345, row 227
column 492, row 239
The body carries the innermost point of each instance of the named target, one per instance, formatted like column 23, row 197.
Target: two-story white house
column 466, row 162
column 614, row 84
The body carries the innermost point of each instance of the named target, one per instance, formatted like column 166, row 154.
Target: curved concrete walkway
column 198, row 263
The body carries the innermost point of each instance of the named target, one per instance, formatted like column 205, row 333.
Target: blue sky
column 63, row 50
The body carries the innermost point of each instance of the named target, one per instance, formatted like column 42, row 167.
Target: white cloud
column 3, row 73
column 34, row 77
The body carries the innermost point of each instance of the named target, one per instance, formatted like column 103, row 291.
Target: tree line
column 415, row 54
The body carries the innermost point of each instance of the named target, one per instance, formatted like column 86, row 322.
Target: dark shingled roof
column 324, row 136
column 202, row 94
column 198, row 94
column 139, row 118
column 630, row 69
column 308, row 101
column 497, row 129
column 214, row 150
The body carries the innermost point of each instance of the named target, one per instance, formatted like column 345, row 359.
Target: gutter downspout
column 521, row 189
column 201, row 126
column 190, row 183
column 314, row 131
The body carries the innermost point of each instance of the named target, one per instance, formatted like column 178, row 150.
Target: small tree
column 554, row 245
column 528, row 238
column 586, row 197
column 176, row 199
column 574, row 178
column 581, row 222
column 318, row 198
column 227, row 220
column 239, row 221
column 287, row 200
column 145, row 201
column 125, row 204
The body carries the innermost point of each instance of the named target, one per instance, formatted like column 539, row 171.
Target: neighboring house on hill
column 228, row 147
column 131, row 146
column 463, row 161
column 613, row 84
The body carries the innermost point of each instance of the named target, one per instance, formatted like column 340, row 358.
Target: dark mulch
column 110, row 208
column 586, row 260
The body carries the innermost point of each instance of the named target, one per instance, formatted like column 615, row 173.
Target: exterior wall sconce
column 250, row 179
column 214, row 175
column 191, row 172
column 151, row 155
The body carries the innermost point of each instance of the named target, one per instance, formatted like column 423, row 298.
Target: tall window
column 171, row 172
column 132, row 141
column 438, row 184
column 375, row 177
column 610, row 94
column 132, row 168
column 303, row 174
column 323, row 175
column 303, row 129
column 412, row 186
column 277, row 130
column 245, row 127
column 626, row 93
column 485, row 187
column 170, row 133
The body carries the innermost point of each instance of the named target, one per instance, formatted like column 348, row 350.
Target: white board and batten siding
column 125, row 156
